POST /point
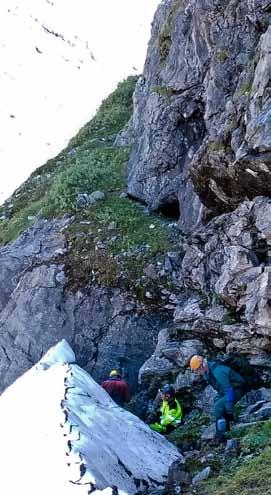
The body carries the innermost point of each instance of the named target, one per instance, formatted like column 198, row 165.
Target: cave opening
column 170, row 209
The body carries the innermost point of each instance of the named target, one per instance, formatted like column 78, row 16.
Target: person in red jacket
column 117, row 388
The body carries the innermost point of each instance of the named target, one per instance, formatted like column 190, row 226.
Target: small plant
column 222, row 55
column 163, row 91
column 244, row 89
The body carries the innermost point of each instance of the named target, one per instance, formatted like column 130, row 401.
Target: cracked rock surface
column 105, row 327
column 201, row 124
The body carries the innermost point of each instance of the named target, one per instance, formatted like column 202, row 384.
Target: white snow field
column 61, row 434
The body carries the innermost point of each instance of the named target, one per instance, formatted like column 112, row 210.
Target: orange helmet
column 196, row 362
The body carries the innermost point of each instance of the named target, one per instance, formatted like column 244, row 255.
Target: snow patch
column 61, row 433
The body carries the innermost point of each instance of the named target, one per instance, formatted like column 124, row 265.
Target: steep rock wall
column 202, row 109
column 106, row 327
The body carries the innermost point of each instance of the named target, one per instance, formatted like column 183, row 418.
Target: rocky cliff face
column 112, row 275
column 202, row 109
column 201, row 132
column 105, row 326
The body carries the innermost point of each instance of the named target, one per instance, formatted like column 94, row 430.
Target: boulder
column 86, row 443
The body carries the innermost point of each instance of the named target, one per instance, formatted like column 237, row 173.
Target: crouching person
column 230, row 386
column 170, row 411
column 117, row 388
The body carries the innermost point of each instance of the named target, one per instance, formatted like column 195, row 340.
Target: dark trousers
column 220, row 403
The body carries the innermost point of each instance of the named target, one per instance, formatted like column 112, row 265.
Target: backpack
column 240, row 364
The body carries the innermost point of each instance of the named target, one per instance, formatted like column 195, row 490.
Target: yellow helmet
column 114, row 373
column 196, row 362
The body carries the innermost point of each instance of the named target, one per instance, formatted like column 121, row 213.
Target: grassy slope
column 250, row 472
column 89, row 162
column 130, row 238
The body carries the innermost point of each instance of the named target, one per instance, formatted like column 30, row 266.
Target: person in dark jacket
column 229, row 384
column 117, row 388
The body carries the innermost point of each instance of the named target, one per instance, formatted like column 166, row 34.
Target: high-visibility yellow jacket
column 170, row 415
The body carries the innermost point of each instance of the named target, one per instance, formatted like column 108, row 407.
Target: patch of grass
column 85, row 264
column 133, row 226
column 112, row 242
column 252, row 478
column 215, row 146
column 163, row 91
column 88, row 163
column 101, row 169
column 110, row 119
column 259, row 436
column 219, row 146
column 245, row 475
column 10, row 229
column 228, row 319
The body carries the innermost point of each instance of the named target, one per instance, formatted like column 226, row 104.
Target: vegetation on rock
column 164, row 36
column 112, row 240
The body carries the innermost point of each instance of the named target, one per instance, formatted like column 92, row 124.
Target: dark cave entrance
column 170, row 209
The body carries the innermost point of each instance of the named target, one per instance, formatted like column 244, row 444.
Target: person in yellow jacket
column 171, row 411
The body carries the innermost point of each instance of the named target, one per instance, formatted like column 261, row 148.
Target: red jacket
column 118, row 389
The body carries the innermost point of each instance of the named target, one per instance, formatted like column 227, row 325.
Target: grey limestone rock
column 37, row 310
column 202, row 475
column 201, row 122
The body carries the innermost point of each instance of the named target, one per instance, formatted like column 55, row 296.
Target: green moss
column 219, row 147
column 120, row 258
column 228, row 319
column 222, row 55
column 257, row 437
column 244, row 89
column 163, row 91
column 216, row 146
column 133, row 226
column 164, row 36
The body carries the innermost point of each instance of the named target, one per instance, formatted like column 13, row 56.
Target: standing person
column 117, row 388
column 229, row 384
column 170, row 411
